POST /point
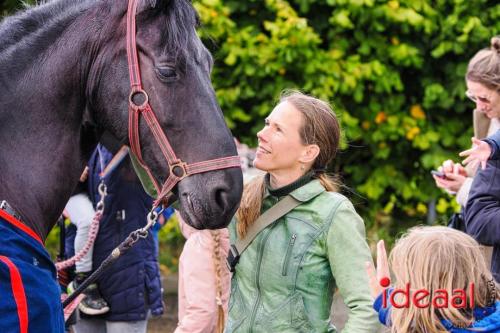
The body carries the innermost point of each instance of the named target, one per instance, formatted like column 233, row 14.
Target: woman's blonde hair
column 433, row 258
column 484, row 67
column 319, row 126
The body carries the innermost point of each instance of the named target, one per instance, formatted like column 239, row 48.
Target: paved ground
column 167, row 323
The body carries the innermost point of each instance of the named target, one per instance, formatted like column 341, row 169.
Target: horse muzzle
column 210, row 200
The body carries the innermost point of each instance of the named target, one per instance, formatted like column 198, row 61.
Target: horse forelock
column 179, row 33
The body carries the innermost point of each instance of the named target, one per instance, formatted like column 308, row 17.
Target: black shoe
column 92, row 303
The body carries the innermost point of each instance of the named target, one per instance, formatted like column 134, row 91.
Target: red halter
column 178, row 169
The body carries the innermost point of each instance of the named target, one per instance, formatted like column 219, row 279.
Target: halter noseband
column 178, row 169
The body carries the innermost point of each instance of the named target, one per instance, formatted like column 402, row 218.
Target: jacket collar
column 305, row 192
column 287, row 189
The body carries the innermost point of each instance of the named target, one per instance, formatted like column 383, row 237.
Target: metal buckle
column 232, row 258
column 4, row 205
column 181, row 165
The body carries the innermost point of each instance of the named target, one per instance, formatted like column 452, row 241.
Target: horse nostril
column 221, row 198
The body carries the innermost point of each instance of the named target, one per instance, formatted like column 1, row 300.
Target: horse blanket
column 29, row 293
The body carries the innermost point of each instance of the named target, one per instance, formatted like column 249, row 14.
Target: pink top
column 197, row 282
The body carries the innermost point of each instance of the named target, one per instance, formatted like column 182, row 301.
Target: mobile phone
column 437, row 173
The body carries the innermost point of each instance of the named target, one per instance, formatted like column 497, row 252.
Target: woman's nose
column 261, row 135
column 481, row 106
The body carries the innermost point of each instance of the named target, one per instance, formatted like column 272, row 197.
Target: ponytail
column 250, row 205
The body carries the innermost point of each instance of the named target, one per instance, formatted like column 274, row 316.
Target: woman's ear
column 309, row 154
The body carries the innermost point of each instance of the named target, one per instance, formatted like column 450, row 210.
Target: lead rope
column 96, row 220
column 93, row 230
column 124, row 246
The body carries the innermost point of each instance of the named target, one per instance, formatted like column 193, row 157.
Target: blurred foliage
column 171, row 242
column 9, row 6
column 393, row 71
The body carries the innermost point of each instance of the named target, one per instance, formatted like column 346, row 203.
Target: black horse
column 64, row 81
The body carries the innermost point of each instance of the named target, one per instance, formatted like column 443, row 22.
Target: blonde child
column 440, row 261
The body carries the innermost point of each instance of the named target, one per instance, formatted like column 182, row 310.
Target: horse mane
column 50, row 16
column 35, row 20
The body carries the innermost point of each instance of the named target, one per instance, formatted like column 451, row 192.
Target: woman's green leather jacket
column 286, row 278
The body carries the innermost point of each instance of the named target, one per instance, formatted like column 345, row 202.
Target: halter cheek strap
column 178, row 169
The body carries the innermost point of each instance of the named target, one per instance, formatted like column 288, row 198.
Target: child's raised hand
column 480, row 152
column 379, row 277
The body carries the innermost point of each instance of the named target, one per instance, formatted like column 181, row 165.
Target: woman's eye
column 167, row 73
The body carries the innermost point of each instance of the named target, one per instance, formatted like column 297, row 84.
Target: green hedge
column 394, row 72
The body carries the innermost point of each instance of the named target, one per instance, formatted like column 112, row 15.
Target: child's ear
column 309, row 154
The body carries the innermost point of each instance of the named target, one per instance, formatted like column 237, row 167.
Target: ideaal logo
column 423, row 298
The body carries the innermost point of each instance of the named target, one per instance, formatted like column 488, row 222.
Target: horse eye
column 167, row 73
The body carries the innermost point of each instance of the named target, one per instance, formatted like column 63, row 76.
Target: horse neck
column 43, row 142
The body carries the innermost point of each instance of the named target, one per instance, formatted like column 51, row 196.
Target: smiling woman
column 285, row 279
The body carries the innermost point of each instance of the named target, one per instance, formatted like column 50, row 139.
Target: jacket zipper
column 259, row 262
column 284, row 271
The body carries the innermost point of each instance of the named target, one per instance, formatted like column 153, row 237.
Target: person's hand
column 455, row 175
column 449, row 166
column 85, row 174
column 451, row 183
column 479, row 153
column 161, row 220
column 378, row 276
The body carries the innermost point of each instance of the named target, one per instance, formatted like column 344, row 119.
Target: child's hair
column 218, row 265
column 433, row 258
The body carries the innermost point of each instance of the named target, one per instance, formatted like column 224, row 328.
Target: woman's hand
column 479, row 153
column 452, row 183
column 379, row 277
column 455, row 175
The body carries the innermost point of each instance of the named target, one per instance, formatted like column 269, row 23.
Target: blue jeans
column 102, row 326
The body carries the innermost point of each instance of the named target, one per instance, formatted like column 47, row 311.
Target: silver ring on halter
column 176, row 167
column 134, row 93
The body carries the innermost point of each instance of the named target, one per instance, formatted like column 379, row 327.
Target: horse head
column 174, row 69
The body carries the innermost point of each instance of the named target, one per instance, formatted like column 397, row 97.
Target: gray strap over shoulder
column 272, row 214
